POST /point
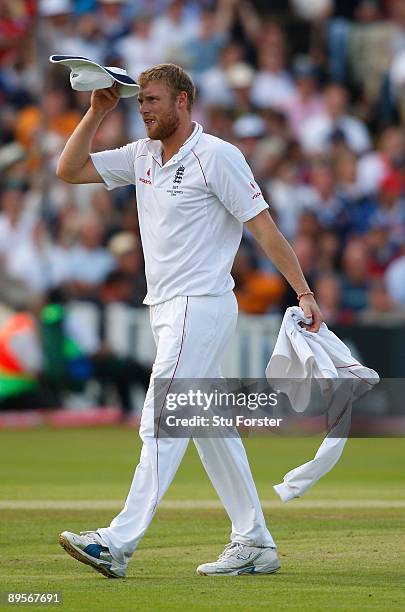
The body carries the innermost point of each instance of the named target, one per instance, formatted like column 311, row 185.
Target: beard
column 165, row 126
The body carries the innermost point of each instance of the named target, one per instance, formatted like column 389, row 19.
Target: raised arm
column 75, row 165
column 249, row 20
column 278, row 249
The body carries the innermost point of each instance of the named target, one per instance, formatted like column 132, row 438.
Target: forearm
column 282, row 255
column 249, row 21
column 224, row 16
column 77, row 149
column 278, row 249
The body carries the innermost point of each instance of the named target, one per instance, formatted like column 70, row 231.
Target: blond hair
column 175, row 77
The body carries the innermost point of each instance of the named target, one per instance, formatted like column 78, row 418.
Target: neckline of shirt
column 155, row 146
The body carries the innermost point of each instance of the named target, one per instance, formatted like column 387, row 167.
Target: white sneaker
column 89, row 548
column 240, row 559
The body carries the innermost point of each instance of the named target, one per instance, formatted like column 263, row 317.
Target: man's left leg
column 252, row 548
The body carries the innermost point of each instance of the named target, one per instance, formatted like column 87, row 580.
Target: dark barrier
column 379, row 348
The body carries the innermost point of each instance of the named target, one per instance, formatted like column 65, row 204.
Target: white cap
column 240, row 75
column 48, row 8
column 123, row 242
column 249, row 126
column 87, row 75
column 311, row 9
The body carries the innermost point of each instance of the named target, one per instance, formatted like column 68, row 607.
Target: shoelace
column 92, row 537
column 232, row 548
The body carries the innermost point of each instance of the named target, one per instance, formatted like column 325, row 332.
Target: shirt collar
column 155, row 146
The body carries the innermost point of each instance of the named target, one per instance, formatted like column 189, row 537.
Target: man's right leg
column 114, row 546
column 159, row 461
column 160, row 457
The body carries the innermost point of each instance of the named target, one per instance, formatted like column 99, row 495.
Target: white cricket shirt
column 191, row 210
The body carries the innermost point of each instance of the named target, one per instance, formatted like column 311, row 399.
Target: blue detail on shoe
column 95, row 550
column 247, row 570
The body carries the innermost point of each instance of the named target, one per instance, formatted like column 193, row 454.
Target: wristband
column 300, row 295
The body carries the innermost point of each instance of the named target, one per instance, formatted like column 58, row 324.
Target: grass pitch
column 342, row 547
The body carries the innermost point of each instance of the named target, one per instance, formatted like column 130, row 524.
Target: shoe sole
column 76, row 554
column 244, row 571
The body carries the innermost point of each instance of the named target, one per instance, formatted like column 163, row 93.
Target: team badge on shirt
column 178, row 177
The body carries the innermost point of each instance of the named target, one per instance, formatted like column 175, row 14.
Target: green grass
column 336, row 558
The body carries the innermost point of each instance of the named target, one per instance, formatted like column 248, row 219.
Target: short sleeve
column 116, row 166
column 231, row 180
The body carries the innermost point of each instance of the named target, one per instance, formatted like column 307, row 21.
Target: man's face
column 158, row 108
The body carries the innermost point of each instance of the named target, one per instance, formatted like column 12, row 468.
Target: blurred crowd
column 313, row 93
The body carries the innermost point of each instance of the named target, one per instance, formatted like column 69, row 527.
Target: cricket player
column 194, row 192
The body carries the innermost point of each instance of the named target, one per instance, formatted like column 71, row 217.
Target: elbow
column 62, row 174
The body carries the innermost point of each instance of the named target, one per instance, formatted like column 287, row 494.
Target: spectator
column 395, row 280
column 201, row 51
column 257, row 291
column 306, row 101
column 247, row 131
column 382, row 309
column 127, row 251
column 215, row 83
column 341, row 13
column 15, row 22
column 111, row 19
column 16, row 222
column 239, row 79
column 272, row 86
column 318, row 131
column 309, row 227
column 139, row 49
column 330, row 208
column 57, row 18
column 33, row 263
column 219, row 121
column 382, row 250
column 87, row 40
column 329, row 252
column 390, row 209
column 355, row 279
column 54, row 121
column 345, row 168
column 370, row 50
column 289, row 197
column 172, row 30
column 376, row 165
column 328, row 294
column 90, row 261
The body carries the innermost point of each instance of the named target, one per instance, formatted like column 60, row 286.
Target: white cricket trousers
column 191, row 334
